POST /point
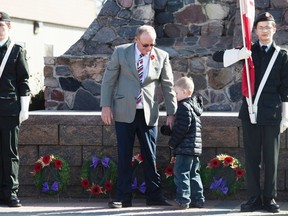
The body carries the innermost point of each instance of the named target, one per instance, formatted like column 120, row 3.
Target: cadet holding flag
column 261, row 135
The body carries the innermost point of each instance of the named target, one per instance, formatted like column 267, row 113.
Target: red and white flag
column 247, row 11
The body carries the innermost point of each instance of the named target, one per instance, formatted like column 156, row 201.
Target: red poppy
column 152, row 57
column 215, row 163
column 58, row 163
column 37, row 167
column 96, row 190
column 173, row 159
column 169, row 171
column 139, row 158
column 46, row 159
column 239, row 172
column 108, row 186
column 228, row 161
column 85, row 183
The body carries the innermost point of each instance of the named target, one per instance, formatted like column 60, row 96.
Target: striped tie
column 140, row 70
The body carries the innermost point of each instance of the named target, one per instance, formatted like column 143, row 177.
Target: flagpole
column 249, row 100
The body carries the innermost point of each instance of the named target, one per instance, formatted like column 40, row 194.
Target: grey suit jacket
column 121, row 85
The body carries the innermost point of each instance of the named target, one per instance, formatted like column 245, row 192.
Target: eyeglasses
column 262, row 28
column 146, row 45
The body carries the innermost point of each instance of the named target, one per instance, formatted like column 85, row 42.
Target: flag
column 247, row 11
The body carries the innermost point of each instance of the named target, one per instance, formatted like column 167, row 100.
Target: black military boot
column 270, row 205
column 253, row 204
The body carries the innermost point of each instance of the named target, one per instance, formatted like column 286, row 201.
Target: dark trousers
column 147, row 136
column 261, row 142
column 9, row 159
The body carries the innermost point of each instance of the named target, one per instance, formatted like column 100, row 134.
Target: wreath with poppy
column 51, row 174
column 224, row 175
column 98, row 176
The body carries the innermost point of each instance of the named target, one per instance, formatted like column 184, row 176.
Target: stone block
column 38, row 134
column 26, row 175
column 80, row 135
column 109, row 136
column 75, row 173
column 72, row 154
column 223, row 136
column 99, row 151
column 281, row 180
column 28, row 191
column 28, row 154
column 283, row 159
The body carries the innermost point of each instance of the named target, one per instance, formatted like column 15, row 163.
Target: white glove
column 234, row 55
column 284, row 121
column 244, row 53
column 24, row 113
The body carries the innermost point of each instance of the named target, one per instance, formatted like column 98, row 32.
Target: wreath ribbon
column 104, row 162
column 141, row 187
column 219, row 185
column 54, row 186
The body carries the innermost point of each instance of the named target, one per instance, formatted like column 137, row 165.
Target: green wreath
column 224, row 175
column 51, row 174
column 98, row 176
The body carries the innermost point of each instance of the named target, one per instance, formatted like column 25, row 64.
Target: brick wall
column 76, row 136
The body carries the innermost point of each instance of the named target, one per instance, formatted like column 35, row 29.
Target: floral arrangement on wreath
column 169, row 173
column 138, row 182
column 51, row 174
column 98, row 176
column 224, row 175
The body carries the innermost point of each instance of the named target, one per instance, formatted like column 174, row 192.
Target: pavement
column 86, row 207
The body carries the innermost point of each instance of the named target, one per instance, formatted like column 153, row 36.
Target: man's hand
column 170, row 121
column 107, row 115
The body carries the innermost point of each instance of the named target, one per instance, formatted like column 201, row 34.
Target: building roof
column 77, row 13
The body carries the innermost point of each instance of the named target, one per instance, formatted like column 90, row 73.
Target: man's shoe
column 270, row 205
column 196, row 205
column 160, row 202
column 177, row 205
column 13, row 201
column 253, row 204
column 119, row 204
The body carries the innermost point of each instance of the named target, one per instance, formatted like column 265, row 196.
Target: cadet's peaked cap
column 4, row 17
column 265, row 16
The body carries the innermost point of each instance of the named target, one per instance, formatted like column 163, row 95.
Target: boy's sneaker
column 196, row 205
column 177, row 205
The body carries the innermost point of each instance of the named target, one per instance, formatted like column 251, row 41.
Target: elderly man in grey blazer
column 129, row 97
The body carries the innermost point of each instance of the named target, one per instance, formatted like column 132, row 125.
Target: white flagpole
column 249, row 99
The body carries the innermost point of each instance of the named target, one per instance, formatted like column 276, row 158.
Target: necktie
column 264, row 49
column 140, row 70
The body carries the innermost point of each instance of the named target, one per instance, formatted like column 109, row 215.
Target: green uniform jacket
column 14, row 80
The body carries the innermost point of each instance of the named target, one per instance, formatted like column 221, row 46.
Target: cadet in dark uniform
column 262, row 138
column 14, row 105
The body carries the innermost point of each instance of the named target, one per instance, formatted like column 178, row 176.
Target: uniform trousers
column 9, row 158
column 261, row 145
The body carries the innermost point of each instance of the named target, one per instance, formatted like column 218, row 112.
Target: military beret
column 4, row 17
column 265, row 16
